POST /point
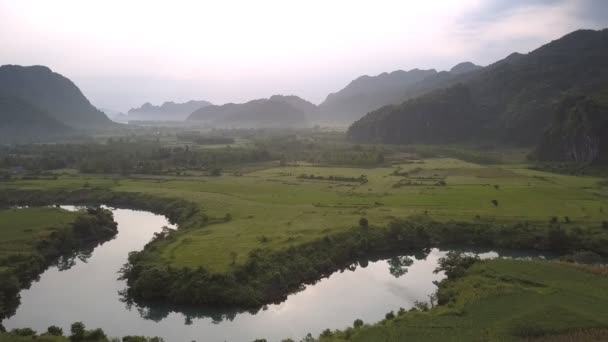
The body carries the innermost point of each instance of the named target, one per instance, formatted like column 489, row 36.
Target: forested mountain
column 464, row 67
column 511, row 101
column 20, row 121
column 168, row 111
column 51, row 93
column 368, row 93
column 277, row 111
column 579, row 132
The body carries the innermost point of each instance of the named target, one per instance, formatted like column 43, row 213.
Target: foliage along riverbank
column 269, row 275
column 500, row 300
column 22, row 264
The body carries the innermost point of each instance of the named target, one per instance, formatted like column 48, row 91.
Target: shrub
column 422, row 306
column 54, row 331
column 23, row 332
column 78, row 331
column 363, row 222
column 455, row 264
column 495, row 202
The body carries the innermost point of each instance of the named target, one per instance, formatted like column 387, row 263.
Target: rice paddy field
column 271, row 206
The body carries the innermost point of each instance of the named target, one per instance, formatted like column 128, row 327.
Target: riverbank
column 269, row 274
column 503, row 300
column 32, row 239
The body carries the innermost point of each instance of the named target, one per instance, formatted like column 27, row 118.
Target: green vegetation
column 31, row 239
column 504, row 300
column 253, row 230
column 508, row 102
column 78, row 333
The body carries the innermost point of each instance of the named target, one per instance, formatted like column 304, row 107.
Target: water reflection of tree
column 65, row 262
column 157, row 311
column 398, row 265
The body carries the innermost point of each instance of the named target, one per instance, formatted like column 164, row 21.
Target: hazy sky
column 124, row 53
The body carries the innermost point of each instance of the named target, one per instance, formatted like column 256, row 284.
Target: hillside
column 52, row 93
column 22, row 122
column 511, row 101
column 579, row 133
column 368, row 93
column 168, row 111
column 277, row 111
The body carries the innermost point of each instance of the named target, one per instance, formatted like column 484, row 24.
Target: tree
column 455, row 264
column 78, row 331
column 358, row 323
column 54, row 331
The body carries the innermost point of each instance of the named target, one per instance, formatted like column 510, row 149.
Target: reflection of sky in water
column 88, row 292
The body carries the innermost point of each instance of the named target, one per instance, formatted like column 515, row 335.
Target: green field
column 271, row 207
column 21, row 229
column 505, row 300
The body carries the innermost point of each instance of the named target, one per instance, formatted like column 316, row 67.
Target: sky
column 124, row 53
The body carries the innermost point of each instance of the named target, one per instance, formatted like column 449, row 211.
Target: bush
column 389, row 315
column 54, row 331
column 363, row 222
column 96, row 335
column 23, row 332
column 455, row 264
column 582, row 257
column 422, row 306
column 358, row 323
column 78, row 332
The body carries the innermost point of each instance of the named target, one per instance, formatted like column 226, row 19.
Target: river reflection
column 86, row 288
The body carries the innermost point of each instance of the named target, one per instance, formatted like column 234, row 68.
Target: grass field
column 271, row 207
column 21, row 229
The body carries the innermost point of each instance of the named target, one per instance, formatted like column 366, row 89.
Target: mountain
column 511, row 101
column 168, row 111
column 464, row 67
column 579, row 132
column 52, row 93
column 277, row 111
column 20, row 121
column 368, row 93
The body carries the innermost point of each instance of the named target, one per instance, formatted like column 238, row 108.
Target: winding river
column 89, row 292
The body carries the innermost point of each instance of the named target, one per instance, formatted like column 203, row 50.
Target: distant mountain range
column 168, row 111
column 512, row 101
column 275, row 112
column 368, row 93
